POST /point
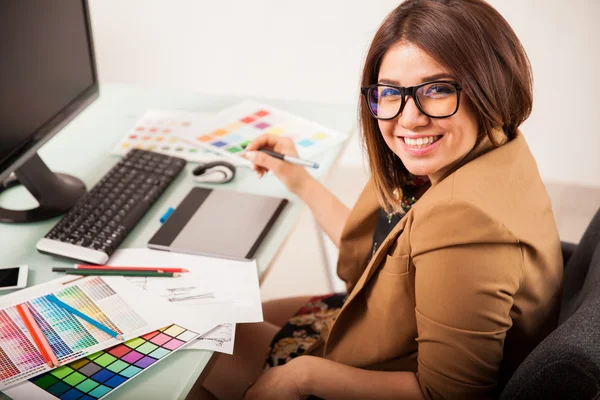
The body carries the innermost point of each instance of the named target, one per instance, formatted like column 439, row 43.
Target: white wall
column 314, row 49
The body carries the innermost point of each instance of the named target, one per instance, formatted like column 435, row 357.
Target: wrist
column 303, row 366
column 303, row 186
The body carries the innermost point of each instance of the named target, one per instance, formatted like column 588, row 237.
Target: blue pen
column 166, row 215
column 53, row 299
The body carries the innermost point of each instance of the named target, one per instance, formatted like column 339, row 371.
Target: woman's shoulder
column 499, row 192
column 505, row 171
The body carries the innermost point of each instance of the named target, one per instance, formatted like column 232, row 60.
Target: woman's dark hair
column 482, row 52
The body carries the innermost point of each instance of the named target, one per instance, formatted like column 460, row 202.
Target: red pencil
column 38, row 337
column 126, row 268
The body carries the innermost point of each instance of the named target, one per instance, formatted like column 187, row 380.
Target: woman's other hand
column 294, row 177
column 286, row 382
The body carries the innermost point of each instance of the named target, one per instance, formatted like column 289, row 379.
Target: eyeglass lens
column 436, row 99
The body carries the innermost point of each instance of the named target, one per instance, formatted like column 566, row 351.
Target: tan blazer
column 466, row 284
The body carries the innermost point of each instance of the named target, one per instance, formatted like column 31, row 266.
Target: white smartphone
column 13, row 277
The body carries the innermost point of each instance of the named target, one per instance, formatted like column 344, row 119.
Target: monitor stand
column 55, row 193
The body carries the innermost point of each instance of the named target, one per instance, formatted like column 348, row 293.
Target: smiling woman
column 475, row 51
column 451, row 254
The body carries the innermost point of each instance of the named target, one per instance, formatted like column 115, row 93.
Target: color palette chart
column 161, row 131
column 98, row 374
column 233, row 128
column 68, row 337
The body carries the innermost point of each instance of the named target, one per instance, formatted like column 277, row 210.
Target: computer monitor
column 47, row 77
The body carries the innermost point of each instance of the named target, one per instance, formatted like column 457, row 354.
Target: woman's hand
column 309, row 375
column 294, row 177
column 286, row 382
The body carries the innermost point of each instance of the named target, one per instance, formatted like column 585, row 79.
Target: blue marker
column 166, row 215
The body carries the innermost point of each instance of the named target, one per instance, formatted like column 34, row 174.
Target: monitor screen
column 46, row 66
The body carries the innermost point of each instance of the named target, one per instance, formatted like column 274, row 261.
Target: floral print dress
column 304, row 328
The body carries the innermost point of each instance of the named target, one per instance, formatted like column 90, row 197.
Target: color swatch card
column 98, row 374
column 233, row 128
column 160, row 131
column 119, row 307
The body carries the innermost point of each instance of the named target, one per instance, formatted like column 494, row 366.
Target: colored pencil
column 125, row 268
column 53, row 299
column 122, row 273
column 37, row 335
column 73, row 280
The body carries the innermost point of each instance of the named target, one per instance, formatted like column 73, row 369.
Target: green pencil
column 124, row 273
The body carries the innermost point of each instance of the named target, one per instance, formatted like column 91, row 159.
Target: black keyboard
column 93, row 229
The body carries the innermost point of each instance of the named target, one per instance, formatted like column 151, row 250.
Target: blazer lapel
column 369, row 271
column 377, row 259
column 379, row 256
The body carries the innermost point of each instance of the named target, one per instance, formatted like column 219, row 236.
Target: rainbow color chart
column 69, row 337
column 161, row 131
column 233, row 128
column 98, row 374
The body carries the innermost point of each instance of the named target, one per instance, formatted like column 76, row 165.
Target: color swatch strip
column 108, row 300
column 76, row 298
column 19, row 352
column 57, row 344
column 97, row 375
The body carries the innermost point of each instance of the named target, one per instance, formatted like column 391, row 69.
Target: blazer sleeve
column 468, row 267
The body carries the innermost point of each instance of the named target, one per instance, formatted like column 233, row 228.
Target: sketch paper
column 220, row 339
column 215, row 291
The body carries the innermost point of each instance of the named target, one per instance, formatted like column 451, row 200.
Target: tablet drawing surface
column 219, row 223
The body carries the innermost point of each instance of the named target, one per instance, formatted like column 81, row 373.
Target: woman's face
column 448, row 139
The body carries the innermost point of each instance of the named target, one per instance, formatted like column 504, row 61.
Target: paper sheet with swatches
column 125, row 309
column 233, row 128
column 161, row 131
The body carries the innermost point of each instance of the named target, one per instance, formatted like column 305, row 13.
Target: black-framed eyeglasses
column 436, row 99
